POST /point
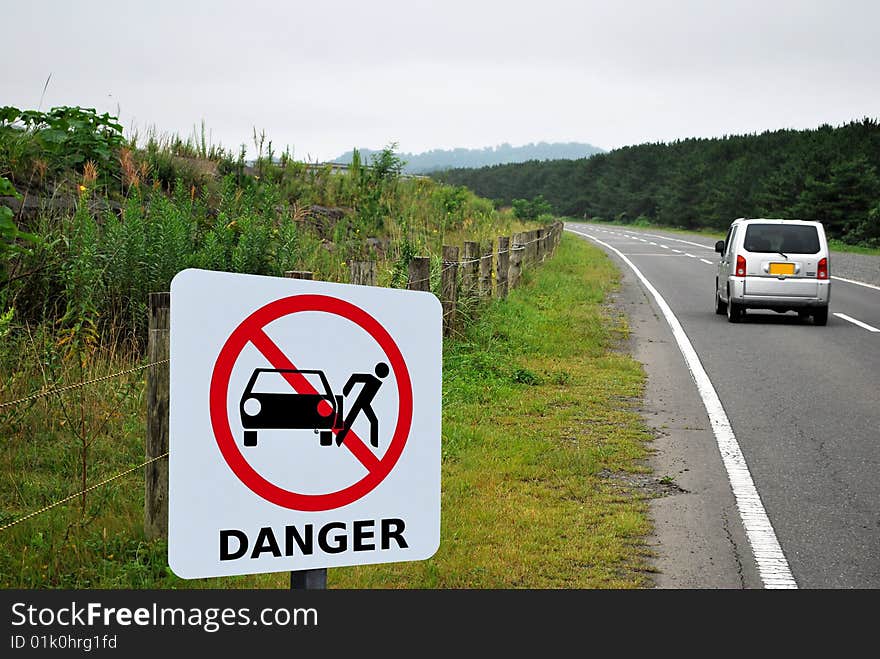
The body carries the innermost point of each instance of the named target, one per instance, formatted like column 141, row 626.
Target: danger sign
column 304, row 424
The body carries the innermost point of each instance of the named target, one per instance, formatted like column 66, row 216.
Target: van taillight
column 740, row 266
column 822, row 271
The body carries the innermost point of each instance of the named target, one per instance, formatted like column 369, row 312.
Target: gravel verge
column 859, row 267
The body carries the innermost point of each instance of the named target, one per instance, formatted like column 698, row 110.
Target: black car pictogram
column 269, row 402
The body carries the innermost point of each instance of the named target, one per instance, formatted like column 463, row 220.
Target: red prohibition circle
column 240, row 337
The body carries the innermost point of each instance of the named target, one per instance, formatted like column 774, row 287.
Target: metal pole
column 309, row 579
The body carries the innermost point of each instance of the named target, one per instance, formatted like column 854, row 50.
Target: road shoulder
column 698, row 538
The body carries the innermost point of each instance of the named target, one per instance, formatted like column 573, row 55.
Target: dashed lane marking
column 852, row 320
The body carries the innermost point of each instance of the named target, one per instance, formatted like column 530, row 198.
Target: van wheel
column 720, row 306
column 250, row 437
column 734, row 311
column 820, row 316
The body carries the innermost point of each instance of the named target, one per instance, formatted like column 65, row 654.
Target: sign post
column 306, row 579
column 304, row 425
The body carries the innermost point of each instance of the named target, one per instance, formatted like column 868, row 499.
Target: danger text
column 331, row 538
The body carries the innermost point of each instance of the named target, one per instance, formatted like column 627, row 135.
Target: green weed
column 523, row 503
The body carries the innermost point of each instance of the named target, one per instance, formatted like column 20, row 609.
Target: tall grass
column 96, row 271
column 74, row 309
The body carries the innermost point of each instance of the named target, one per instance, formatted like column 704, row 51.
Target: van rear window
column 785, row 238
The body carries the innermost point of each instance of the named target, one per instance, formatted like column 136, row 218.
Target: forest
column 827, row 173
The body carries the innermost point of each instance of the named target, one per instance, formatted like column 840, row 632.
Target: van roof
column 778, row 220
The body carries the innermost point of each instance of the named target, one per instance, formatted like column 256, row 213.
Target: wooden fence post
column 470, row 257
column 156, row 473
column 533, row 247
column 449, row 287
column 517, row 254
column 486, row 272
column 362, row 272
column 419, row 274
column 503, row 263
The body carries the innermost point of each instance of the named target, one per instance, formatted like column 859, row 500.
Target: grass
column 838, row 246
column 50, row 446
column 539, row 406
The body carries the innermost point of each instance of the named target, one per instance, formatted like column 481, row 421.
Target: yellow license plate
column 782, row 268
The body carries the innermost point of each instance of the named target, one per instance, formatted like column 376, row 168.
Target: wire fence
column 82, row 492
column 70, row 387
column 445, row 267
column 64, row 389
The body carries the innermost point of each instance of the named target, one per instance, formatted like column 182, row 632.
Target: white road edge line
column 859, row 283
column 870, row 328
column 772, row 564
column 707, row 261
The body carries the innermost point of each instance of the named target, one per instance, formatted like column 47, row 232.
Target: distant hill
column 443, row 159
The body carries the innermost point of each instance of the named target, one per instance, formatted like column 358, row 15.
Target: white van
column 773, row 264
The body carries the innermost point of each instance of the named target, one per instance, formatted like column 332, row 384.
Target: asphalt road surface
column 803, row 406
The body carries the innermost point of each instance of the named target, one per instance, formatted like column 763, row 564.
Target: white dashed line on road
column 852, row 320
column 679, row 240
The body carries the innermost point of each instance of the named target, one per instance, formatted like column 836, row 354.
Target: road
column 803, row 404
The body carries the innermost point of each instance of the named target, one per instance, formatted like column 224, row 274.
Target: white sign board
column 304, row 424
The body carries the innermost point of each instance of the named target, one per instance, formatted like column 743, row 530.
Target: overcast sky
column 321, row 77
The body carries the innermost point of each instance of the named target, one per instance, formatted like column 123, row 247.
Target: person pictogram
column 363, row 402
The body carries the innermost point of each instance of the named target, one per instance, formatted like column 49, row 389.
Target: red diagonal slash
column 280, row 361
